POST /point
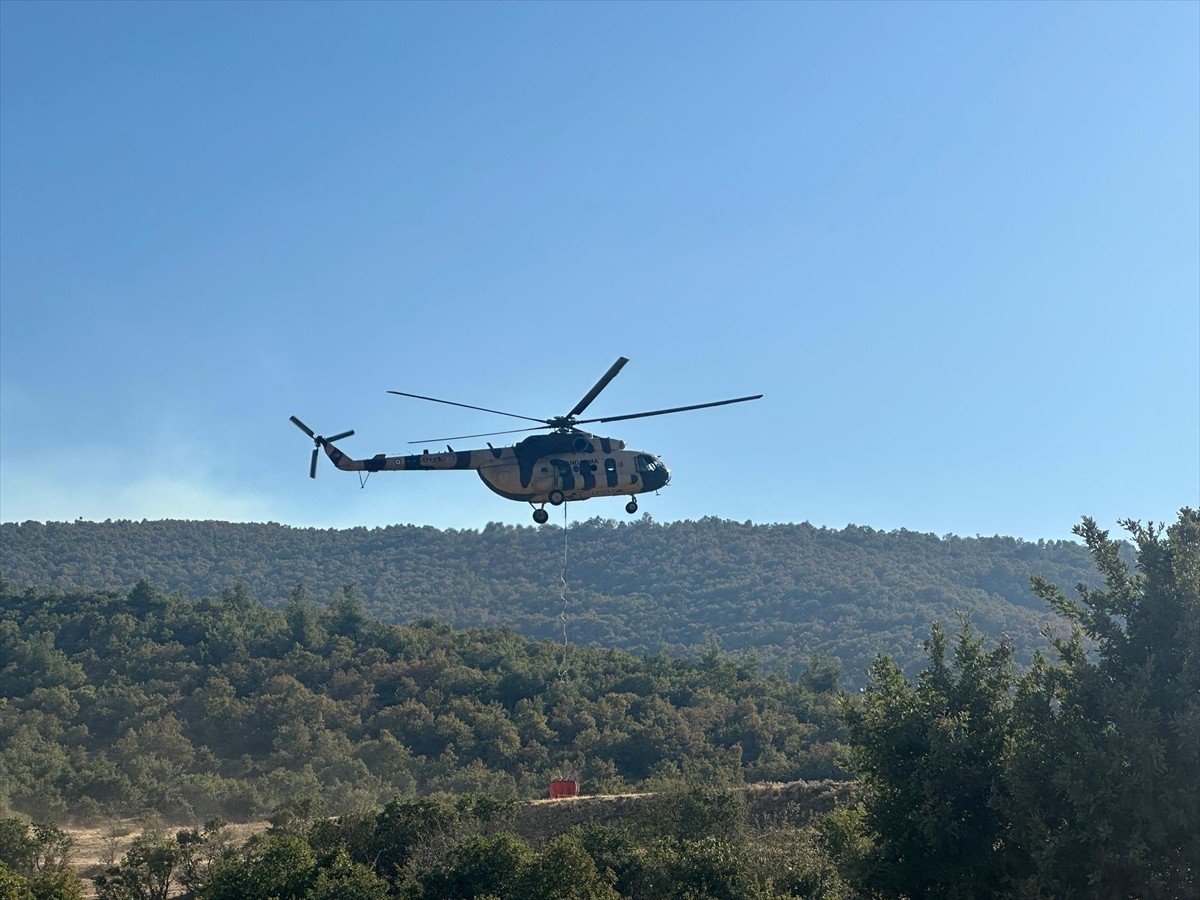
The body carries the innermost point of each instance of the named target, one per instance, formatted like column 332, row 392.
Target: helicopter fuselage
column 543, row 468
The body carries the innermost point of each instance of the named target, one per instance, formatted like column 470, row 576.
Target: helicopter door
column 566, row 478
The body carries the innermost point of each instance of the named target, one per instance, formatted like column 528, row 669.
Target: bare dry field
column 97, row 848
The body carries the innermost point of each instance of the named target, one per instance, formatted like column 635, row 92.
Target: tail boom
column 426, row 462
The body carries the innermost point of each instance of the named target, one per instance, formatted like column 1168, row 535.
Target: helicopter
column 566, row 464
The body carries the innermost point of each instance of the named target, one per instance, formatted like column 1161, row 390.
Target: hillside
column 786, row 592
column 1077, row 772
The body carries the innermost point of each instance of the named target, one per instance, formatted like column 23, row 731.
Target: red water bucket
column 560, row 788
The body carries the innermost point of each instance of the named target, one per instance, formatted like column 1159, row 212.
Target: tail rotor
column 318, row 442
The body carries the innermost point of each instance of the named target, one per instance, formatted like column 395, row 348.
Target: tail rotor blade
column 318, row 443
column 302, row 426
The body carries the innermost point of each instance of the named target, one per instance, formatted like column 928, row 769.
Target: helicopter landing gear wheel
column 541, row 516
column 556, row 498
column 631, row 507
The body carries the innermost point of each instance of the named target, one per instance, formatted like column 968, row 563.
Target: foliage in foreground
column 692, row 842
column 35, row 862
column 1079, row 778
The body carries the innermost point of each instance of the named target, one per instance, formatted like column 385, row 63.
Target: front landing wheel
column 541, row 516
column 631, row 507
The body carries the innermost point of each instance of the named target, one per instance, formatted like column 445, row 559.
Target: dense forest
column 786, row 592
column 1077, row 776
column 121, row 703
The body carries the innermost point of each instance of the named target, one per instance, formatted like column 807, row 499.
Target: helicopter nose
column 659, row 477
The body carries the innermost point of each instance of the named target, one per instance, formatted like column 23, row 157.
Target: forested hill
column 115, row 702
column 786, row 591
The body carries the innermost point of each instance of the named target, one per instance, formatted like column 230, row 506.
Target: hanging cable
column 562, row 595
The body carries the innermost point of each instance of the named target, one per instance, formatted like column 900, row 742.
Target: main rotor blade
column 338, row 437
column 312, row 468
column 663, row 412
column 302, row 426
column 468, row 406
column 600, row 385
column 463, row 437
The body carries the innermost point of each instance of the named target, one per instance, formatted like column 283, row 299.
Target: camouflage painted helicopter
column 567, row 464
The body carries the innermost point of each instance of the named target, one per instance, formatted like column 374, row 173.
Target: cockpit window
column 647, row 464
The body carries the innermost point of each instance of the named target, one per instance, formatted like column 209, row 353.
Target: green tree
column 16, row 846
column 565, row 871
column 36, row 859
column 482, row 866
column 303, row 619
column 346, row 614
column 56, row 884
column 267, row 867
column 146, row 871
column 12, row 885
column 420, row 832
column 1106, row 768
column 198, row 852
column 1079, row 778
column 929, row 756
column 295, row 815
column 344, row 879
column 698, row 811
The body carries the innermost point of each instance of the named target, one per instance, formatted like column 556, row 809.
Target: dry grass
column 97, row 848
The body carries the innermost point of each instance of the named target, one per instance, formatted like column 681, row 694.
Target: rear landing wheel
column 631, row 507
column 556, row 498
column 541, row 516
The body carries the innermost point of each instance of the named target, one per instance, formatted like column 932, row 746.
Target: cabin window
column 610, row 472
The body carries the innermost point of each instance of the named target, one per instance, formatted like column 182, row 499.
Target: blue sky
column 957, row 246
